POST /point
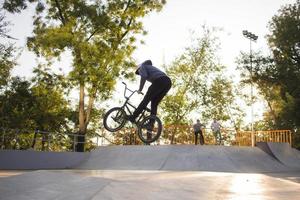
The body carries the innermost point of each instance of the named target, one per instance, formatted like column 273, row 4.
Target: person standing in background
column 198, row 131
column 216, row 129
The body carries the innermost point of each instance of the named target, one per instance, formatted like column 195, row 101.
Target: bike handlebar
column 132, row 91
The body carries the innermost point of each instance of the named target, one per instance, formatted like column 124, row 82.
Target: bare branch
column 126, row 32
column 92, row 34
column 127, row 6
column 62, row 19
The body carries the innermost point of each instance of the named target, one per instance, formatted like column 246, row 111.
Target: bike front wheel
column 114, row 119
column 150, row 128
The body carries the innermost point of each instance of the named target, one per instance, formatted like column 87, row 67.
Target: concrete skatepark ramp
column 150, row 172
column 164, row 157
column 182, row 158
column 282, row 152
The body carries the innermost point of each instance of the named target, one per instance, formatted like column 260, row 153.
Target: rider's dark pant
column 155, row 94
column 201, row 138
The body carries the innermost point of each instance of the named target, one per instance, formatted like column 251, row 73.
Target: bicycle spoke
column 150, row 129
column 114, row 119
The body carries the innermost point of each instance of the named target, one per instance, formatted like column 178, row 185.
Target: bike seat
column 148, row 109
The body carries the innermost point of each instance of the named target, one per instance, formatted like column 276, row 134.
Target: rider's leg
column 219, row 137
column 216, row 137
column 201, row 138
column 154, row 90
column 155, row 101
column 165, row 87
column 196, row 137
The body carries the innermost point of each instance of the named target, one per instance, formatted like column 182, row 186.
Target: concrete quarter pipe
column 279, row 157
column 283, row 152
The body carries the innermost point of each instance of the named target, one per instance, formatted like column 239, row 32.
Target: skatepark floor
column 271, row 171
column 130, row 184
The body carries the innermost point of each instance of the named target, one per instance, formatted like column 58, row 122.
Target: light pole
column 252, row 38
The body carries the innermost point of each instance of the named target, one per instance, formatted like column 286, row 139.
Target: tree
column 192, row 71
column 284, row 42
column 36, row 105
column 99, row 34
column 197, row 85
column 221, row 102
column 277, row 76
column 39, row 104
column 16, row 105
column 7, row 60
column 51, row 110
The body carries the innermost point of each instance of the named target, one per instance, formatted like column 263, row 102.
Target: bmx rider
column 160, row 86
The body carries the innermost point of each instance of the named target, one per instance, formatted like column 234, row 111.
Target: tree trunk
column 272, row 113
column 90, row 107
column 173, row 134
column 84, row 117
column 82, row 124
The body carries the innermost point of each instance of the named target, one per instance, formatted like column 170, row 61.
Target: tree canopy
column 101, row 35
column 7, row 50
column 277, row 76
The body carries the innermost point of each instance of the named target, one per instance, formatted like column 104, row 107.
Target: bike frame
column 126, row 106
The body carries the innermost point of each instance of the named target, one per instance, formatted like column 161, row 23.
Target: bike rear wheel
column 114, row 119
column 150, row 128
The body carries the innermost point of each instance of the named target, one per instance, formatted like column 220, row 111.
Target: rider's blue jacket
column 149, row 73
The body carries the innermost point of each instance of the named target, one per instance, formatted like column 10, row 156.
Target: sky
column 169, row 31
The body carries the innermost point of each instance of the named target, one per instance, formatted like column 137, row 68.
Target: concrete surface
column 117, row 185
column 165, row 157
column 183, row 158
column 29, row 159
column 283, row 153
column 154, row 172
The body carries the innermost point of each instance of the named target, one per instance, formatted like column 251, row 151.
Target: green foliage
column 7, row 59
column 176, row 108
column 7, row 62
column 198, row 82
column 198, row 85
column 284, row 42
column 219, row 97
column 101, row 35
column 16, row 105
column 189, row 74
column 16, row 5
column 51, row 111
column 39, row 104
column 278, row 76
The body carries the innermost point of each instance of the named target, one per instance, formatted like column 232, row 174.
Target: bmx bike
column 149, row 127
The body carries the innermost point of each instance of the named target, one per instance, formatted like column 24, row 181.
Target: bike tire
column 155, row 134
column 121, row 120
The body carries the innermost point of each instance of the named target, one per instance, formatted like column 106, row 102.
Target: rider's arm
column 142, row 83
column 144, row 74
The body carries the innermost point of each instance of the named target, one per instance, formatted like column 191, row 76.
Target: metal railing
column 172, row 134
column 243, row 138
column 184, row 134
column 47, row 141
column 176, row 134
